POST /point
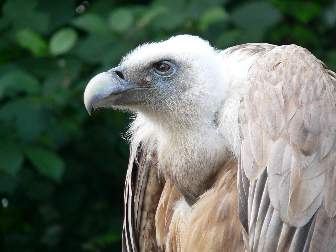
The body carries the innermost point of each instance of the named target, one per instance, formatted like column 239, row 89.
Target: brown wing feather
column 211, row 224
column 141, row 196
column 288, row 125
column 214, row 223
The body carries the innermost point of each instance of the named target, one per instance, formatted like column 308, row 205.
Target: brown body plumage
column 212, row 224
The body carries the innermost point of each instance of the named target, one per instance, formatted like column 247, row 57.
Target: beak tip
column 98, row 89
column 91, row 95
column 89, row 111
column 88, row 105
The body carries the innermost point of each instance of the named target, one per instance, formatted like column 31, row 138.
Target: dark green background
column 61, row 171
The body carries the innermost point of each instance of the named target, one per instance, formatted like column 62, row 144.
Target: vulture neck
column 190, row 156
column 191, row 153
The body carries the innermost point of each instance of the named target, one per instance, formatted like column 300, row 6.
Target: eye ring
column 164, row 68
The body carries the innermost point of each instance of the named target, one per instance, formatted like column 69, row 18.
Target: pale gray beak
column 105, row 90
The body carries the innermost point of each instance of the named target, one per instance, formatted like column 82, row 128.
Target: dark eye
column 163, row 68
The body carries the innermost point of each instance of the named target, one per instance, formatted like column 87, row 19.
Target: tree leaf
column 8, row 183
column 94, row 47
column 46, row 162
column 18, row 81
column 213, row 15
column 120, row 20
column 28, row 116
column 92, row 23
column 10, row 158
column 32, row 41
column 62, row 41
column 228, row 38
column 331, row 59
column 256, row 16
column 24, row 14
column 308, row 11
column 150, row 14
column 169, row 19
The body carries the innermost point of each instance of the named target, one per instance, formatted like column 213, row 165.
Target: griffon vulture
column 231, row 150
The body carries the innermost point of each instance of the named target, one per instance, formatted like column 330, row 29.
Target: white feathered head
column 173, row 79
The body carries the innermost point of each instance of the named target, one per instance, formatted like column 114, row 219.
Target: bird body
column 231, row 150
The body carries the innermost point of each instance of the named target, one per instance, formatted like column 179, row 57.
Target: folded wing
column 287, row 176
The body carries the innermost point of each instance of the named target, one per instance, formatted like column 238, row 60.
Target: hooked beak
column 104, row 90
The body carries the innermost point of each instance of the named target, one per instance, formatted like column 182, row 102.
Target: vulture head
column 171, row 81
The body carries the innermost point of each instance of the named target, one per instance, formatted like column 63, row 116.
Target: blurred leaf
column 32, row 41
column 94, row 47
column 331, row 60
column 28, row 117
column 14, row 8
column 18, row 81
column 172, row 5
column 113, row 54
column 4, row 23
column 150, row 14
column 35, row 186
column 169, row 20
column 46, row 162
column 213, row 15
column 10, row 158
column 303, row 11
column 41, row 68
column 120, row 20
column 62, row 41
column 329, row 16
column 52, row 235
column 101, row 241
column 24, row 14
column 8, row 183
column 303, row 33
column 210, row 2
column 60, row 12
column 256, row 16
column 308, row 11
column 92, row 23
column 229, row 38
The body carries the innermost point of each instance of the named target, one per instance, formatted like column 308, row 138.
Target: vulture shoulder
column 287, row 166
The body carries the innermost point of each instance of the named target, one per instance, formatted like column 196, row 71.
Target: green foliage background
column 62, row 172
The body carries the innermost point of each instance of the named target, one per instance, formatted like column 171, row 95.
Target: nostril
column 120, row 74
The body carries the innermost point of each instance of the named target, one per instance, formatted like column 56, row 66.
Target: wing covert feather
column 288, row 127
